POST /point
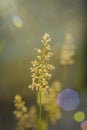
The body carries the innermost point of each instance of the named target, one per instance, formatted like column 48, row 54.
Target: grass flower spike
column 27, row 118
column 40, row 72
column 21, row 111
column 41, row 66
column 68, row 50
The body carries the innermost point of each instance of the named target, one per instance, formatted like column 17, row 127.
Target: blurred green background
column 22, row 25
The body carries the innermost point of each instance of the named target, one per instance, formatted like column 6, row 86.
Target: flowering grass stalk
column 40, row 71
column 67, row 55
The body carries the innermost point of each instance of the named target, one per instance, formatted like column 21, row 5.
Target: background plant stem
column 40, row 111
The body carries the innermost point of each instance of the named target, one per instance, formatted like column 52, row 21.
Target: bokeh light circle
column 79, row 116
column 17, row 21
column 84, row 125
column 68, row 99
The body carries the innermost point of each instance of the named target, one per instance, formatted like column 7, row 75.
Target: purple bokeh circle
column 68, row 99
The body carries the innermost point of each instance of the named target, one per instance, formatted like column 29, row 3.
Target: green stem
column 40, row 111
column 64, row 74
